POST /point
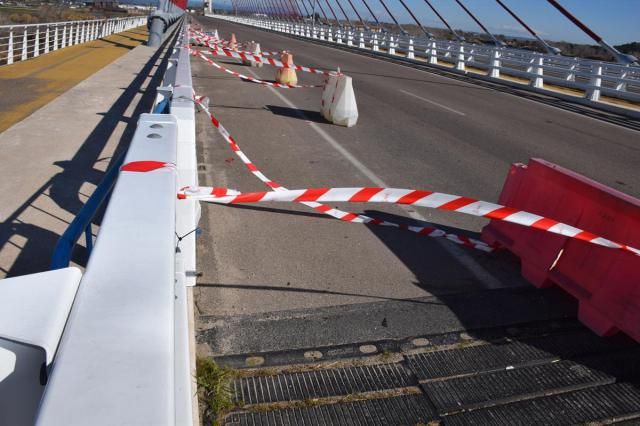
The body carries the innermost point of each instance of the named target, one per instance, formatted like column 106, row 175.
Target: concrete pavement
column 52, row 160
column 330, row 311
column 416, row 130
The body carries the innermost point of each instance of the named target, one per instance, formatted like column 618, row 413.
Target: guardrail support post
column 392, row 46
column 46, row 40
column 460, row 64
column 571, row 76
column 537, row 81
column 622, row 86
column 24, row 45
column 376, row 48
column 593, row 92
column 495, row 64
column 36, row 43
column 10, row 47
column 433, row 53
column 361, row 42
column 339, row 36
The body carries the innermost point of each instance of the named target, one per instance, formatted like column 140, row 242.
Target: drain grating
column 400, row 410
column 600, row 404
column 497, row 356
column 321, row 383
column 512, row 385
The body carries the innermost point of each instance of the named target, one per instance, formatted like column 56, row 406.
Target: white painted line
column 455, row 111
column 458, row 253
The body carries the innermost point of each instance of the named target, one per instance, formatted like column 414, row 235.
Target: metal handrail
column 2, row 27
column 82, row 222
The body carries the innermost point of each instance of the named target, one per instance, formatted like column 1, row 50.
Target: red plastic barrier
column 605, row 282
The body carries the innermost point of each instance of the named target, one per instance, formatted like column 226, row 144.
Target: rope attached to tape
column 253, row 80
column 419, row 198
column 335, row 213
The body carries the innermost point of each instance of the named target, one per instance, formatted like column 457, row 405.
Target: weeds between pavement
column 214, row 389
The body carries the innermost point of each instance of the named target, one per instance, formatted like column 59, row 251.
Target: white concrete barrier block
column 339, row 101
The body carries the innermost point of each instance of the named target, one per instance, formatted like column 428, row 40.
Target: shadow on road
column 302, row 114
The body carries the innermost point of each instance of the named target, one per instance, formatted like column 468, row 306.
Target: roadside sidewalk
column 29, row 85
column 53, row 160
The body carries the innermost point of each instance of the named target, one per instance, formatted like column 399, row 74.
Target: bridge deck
column 281, row 286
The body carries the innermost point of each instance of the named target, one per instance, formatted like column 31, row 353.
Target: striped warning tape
column 419, row 198
column 270, row 61
column 254, row 80
column 212, row 42
column 246, row 52
column 336, row 213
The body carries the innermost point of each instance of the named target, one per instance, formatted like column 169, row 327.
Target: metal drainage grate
column 321, row 383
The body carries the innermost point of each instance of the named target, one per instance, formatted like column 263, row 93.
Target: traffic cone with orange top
column 286, row 75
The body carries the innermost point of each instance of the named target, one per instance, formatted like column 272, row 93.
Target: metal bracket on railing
column 163, row 99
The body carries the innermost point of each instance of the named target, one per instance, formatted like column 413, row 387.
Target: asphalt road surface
column 416, row 129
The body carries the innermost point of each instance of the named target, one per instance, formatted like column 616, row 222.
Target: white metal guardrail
column 22, row 42
column 124, row 356
column 581, row 80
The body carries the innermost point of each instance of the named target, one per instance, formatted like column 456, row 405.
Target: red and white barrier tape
column 213, row 42
column 336, row 213
column 433, row 200
column 269, row 61
column 254, row 80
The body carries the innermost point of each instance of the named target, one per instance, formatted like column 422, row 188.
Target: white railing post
column 24, row 45
column 55, row 38
column 36, row 43
column 361, row 42
column 77, row 34
column 392, row 46
column 495, row 64
column 339, row 36
column 64, row 36
column 350, row 38
column 433, row 53
column 46, row 40
column 622, row 85
column 537, row 80
column 595, row 83
column 376, row 47
column 460, row 64
column 10, row 47
column 411, row 52
column 330, row 35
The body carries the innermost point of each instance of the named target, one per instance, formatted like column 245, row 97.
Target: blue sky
column 617, row 21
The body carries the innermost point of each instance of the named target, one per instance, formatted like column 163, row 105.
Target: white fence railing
column 576, row 78
column 22, row 42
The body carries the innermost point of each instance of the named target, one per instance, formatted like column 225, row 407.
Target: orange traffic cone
column 286, row 75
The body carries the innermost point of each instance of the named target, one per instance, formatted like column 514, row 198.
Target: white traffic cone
column 339, row 101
